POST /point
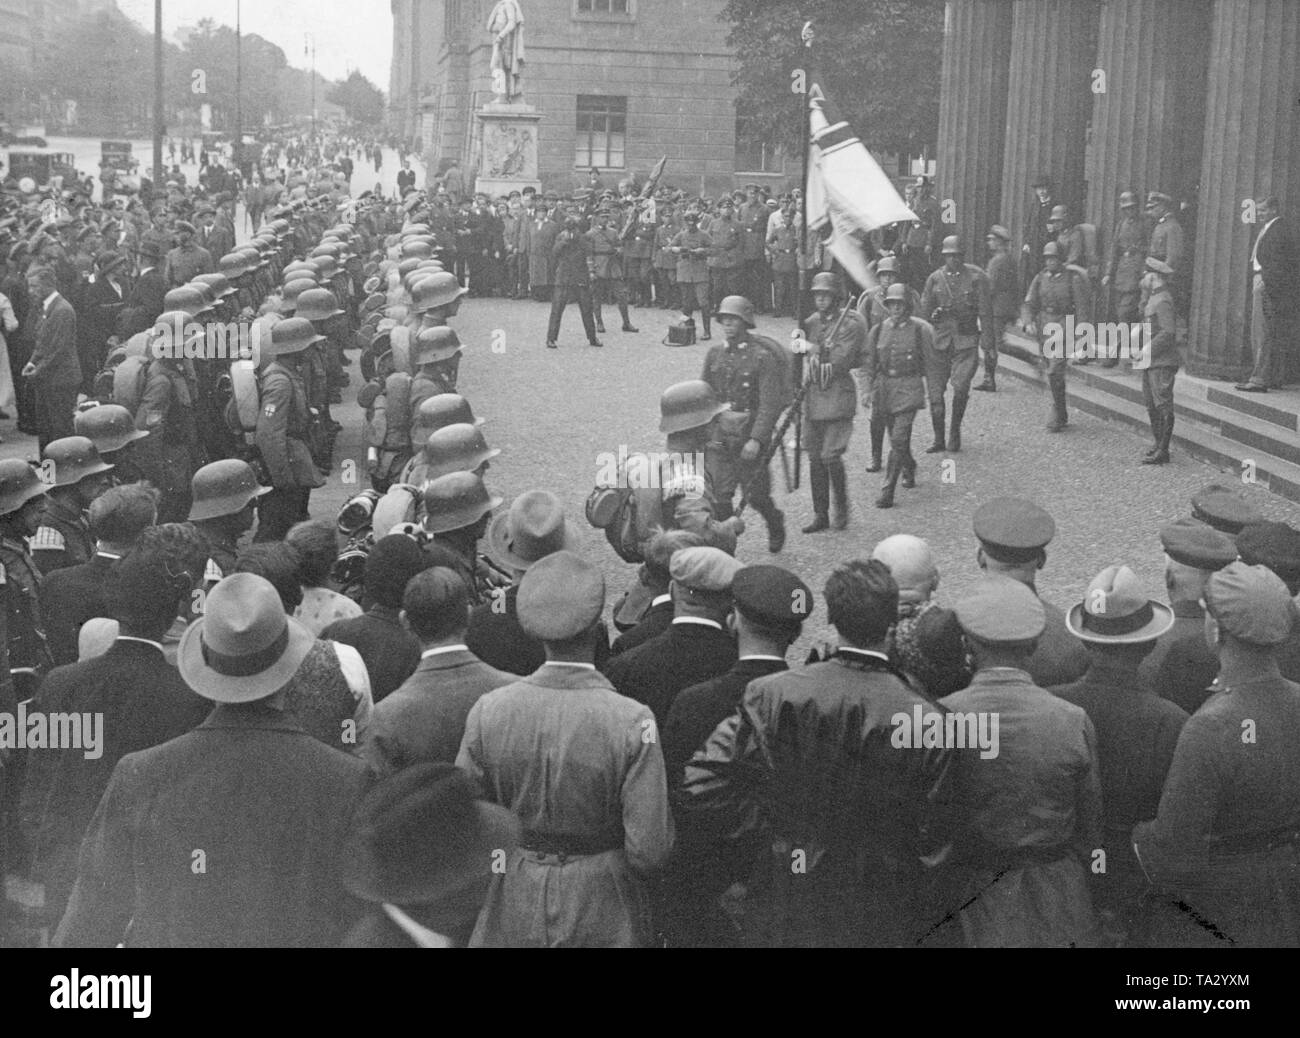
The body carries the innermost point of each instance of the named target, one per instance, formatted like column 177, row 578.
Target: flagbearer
column 836, row 337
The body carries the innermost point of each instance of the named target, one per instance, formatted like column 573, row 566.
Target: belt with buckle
column 570, row 846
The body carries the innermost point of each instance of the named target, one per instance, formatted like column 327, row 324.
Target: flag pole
column 805, row 276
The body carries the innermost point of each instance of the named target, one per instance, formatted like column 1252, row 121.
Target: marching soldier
column 282, row 430
column 743, row 374
column 224, row 495
column 607, row 271
column 691, row 246
column 835, row 340
column 893, row 365
column 958, row 304
column 873, row 309
column 1004, row 296
column 76, row 475
column 1054, row 294
column 1161, row 357
column 166, row 412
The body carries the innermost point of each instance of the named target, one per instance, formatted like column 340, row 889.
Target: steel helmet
column 887, row 265
column 952, row 246
column 1051, row 249
column 456, row 448
column 435, row 344
column 896, row 293
column 415, row 228
column 19, row 483
column 1060, row 214
column 233, row 265
column 737, row 306
column 436, row 290
column 253, row 257
column 109, row 427
column 325, row 250
column 293, row 335
column 456, row 500
column 326, row 266
column 219, row 283
column 442, row 410
column 206, row 290
column 407, row 265
column 688, row 405
column 187, row 298
column 317, row 304
column 223, row 488
column 294, row 289
column 300, row 269
column 73, row 459
column 827, row 281
column 417, row 249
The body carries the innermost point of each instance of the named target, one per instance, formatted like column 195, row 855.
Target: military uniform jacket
column 1128, row 253
column 691, row 266
column 1167, row 243
column 783, row 242
column 642, row 242
column 1159, row 317
column 965, row 300
column 744, row 376
column 725, row 251
column 753, row 230
column 185, row 264
column 832, row 393
column 606, row 253
column 282, row 430
column 166, row 408
column 24, row 645
column 62, row 539
column 664, row 259
column 1052, row 296
column 893, row 364
column 1004, row 287
column 871, row 306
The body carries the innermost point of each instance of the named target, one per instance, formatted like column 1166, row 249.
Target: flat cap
column 703, row 569
column 1251, row 603
column 1159, row 197
column 999, row 609
column 1193, row 543
column 1159, row 266
column 771, row 595
column 1012, row 529
column 1224, row 508
column 1275, row 545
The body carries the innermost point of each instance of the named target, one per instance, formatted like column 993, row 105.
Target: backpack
column 785, row 364
column 245, row 397
column 129, row 378
column 628, row 515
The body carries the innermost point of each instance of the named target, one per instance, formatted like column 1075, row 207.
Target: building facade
column 15, row 41
column 617, row 83
column 1196, row 98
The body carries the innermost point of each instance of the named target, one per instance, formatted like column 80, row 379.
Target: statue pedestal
column 507, row 151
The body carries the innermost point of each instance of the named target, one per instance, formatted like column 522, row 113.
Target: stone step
column 1200, row 434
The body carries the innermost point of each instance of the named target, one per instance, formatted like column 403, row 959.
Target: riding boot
column 840, row 494
column 1157, row 421
column 819, row 477
column 1164, row 434
column 1058, row 418
column 909, row 471
column 600, row 323
column 938, row 412
column 877, row 430
column 627, row 321
column 954, row 432
column 708, row 332
column 886, row 498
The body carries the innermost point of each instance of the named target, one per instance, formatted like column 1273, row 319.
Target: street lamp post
column 309, row 46
column 157, row 93
column 239, row 88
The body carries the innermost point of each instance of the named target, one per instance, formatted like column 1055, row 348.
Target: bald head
column 911, row 563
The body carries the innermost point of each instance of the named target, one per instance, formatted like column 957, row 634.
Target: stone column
column 1251, row 149
column 973, row 115
column 1147, row 124
column 1053, row 53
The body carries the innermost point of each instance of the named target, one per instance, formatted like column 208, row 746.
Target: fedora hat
column 243, row 647
column 422, row 836
column 531, row 529
column 456, row 500
column 1116, row 611
column 559, row 597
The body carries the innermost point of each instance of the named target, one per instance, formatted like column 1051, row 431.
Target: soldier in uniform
column 638, row 255
column 1054, row 294
column 893, row 363
column 189, row 258
column 724, row 253
column 1004, row 294
column 282, row 429
column 76, row 475
column 691, row 246
column 111, row 428
column 607, row 271
column 169, row 455
column 874, row 311
column 957, row 302
column 836, row 337
column 752, row 217
column 1124, row 269
column 782, row 249
column 457, row 508
column 1168, row 245
column 744, row 376
column 224, row 497
column 1161, row 359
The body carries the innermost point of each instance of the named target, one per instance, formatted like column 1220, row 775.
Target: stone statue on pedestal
column 506, row 24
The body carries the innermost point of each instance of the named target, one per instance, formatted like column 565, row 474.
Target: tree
column 360, row 99
column 880, row 61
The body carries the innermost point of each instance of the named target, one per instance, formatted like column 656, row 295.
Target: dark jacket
column 1279, row 261
column 145, row 303
column 655, row 621
column 423, row 722
column 657, row 670
column 69, row 597
column 496, row 638
column 226, row 837
column 144, row 703
column 391, row 652
column 55, row 351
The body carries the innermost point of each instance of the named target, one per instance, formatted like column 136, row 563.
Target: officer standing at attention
column 744, row 376
column 606, row 265
column 836, row 337
column 957, row 302
column 691, row 247
column 893, row 363
column 1004, row 294
column 1162, row 359
column 1128, row 250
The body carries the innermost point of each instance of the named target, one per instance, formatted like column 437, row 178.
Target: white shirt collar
column 146, row 641
column 570, row 663
column 863, row 652
column 697, row 620
column 660, row 600
column 420, row 934
column 443, row 649
column 763, row 656
column 46, row 304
